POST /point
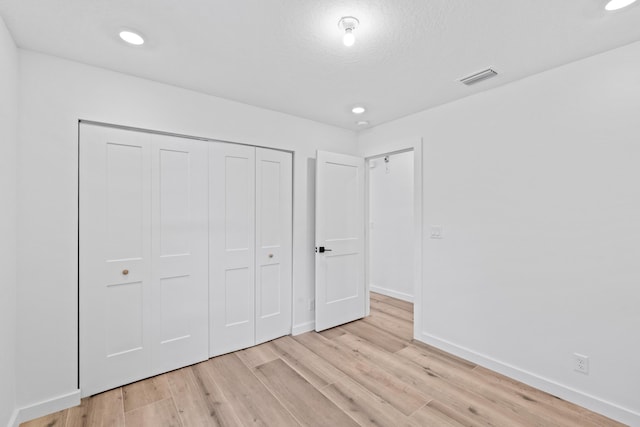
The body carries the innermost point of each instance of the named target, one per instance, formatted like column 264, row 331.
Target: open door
column 340, row 272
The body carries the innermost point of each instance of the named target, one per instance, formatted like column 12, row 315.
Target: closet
column 184, row 252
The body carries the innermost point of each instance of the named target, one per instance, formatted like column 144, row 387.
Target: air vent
column 478, row 77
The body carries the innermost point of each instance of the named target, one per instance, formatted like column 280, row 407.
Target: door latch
column 322, row 249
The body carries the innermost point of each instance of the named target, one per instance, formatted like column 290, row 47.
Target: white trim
column 303, row 327
column 13, row 420
column 419, row 238
column 46, row 407
column 593, row 403
column 367, row 237
column 391, row 293
column 177, row 135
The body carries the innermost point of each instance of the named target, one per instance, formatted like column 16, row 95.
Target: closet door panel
column 232, row 242
column 180, row 252
column 115, row 258
column 273, row 244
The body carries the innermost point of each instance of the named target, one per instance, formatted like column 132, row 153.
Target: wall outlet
column 437, row 232
column 581, row 363
column 312, row 305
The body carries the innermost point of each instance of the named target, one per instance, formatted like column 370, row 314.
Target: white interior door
column 115, row 258
column 340, row 281
column 232, row 247
column 180, row 272
column 273, row 244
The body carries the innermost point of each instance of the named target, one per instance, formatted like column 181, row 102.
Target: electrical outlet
column 581, row 363
column 312, row 304
column 437, row 232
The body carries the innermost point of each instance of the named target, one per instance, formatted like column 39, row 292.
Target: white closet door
column 143, row 255
column 115, row 258
column 180, row 269
column 273, row 244
column 232, row 246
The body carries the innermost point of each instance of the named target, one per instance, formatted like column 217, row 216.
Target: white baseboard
column 13, row 421
column 391, row 293
column 303, row 327
column 585, row 400
column 46, row 407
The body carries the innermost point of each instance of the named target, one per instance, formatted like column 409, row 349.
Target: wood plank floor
column 366, row 373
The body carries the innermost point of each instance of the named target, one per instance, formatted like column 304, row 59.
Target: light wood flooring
column 365, row 373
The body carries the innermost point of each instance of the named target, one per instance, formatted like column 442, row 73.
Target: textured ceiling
column 287, row 55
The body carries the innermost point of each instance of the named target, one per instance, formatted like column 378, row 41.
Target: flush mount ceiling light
column 358, row 110
column 362, row 123
column 348, row 24
column 618, row 4
column 131, row 37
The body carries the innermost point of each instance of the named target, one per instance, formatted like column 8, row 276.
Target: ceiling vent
column 478, row 77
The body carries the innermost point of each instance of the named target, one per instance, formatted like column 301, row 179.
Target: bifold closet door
column 250, row 242
column 232, row 247
column 273, row 244
column 143, row 255
column 180, row 269
column 115, row 258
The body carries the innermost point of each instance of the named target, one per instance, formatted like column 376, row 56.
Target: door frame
column 397, row 147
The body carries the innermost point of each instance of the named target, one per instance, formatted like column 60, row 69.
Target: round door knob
column 125, row 272
column 270, row 255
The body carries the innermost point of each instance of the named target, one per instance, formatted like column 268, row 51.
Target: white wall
column 8, row 220
column 537, row 184
column 54, row 94
column 391, row 230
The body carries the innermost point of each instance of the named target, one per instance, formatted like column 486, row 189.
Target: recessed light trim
column 618, row 4
column 132, row 37
column 358, row 109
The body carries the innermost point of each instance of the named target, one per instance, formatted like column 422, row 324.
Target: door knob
column 270, row 255
column 125, row 272
column 322, row 250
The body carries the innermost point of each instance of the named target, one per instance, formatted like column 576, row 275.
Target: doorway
column 391, row 225
column 343, row 193
column 393, row 241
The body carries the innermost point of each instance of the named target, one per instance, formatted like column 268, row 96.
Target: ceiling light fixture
column 618, row 4
column 132, row 38
column 348, row 24
column 362, row 123
column 358, row 110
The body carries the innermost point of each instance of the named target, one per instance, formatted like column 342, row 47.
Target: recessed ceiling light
column 362, row 123
column 132, row 38
column 358, row 110
column 618, row 4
